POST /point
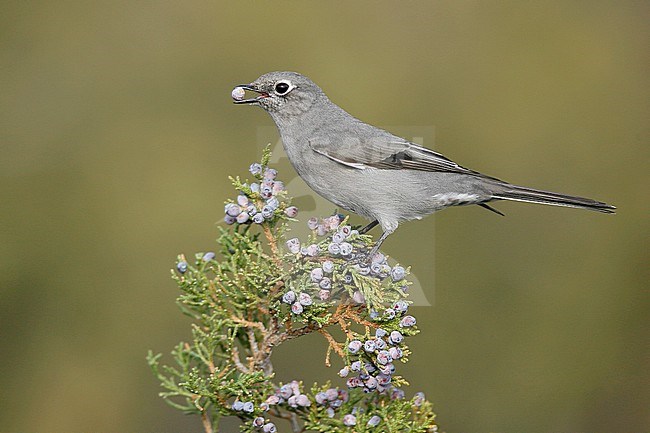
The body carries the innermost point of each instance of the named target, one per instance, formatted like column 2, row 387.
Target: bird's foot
column 366, row 257
column 361, row 258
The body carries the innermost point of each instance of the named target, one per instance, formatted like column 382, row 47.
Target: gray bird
column 372, row 172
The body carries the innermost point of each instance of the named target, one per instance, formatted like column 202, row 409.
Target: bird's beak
column 251, row 88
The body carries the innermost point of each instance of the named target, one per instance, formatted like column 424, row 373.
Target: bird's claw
column 361, row 258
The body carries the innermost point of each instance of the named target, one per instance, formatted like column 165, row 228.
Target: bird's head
column 280, row 93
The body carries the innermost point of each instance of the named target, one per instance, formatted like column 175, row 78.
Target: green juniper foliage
column 261, row 290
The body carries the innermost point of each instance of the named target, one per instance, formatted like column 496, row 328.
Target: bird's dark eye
column 281, row 88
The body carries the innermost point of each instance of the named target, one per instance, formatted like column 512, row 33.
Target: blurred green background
column 117, row 134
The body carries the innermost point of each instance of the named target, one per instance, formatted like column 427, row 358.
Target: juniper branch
column 256, row 295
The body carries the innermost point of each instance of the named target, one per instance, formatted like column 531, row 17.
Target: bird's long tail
column 530, row 195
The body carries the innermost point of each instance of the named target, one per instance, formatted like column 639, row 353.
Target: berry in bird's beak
column 239, row 92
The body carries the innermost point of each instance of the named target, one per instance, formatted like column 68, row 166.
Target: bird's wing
column 388, row 153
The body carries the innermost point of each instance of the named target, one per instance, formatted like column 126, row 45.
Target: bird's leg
column 369, row 227
column 375, row 249
column 366, row 258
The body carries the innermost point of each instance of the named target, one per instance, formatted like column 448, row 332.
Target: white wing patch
column 358, row 165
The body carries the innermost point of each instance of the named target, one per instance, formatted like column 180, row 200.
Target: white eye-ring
column 283, row 87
